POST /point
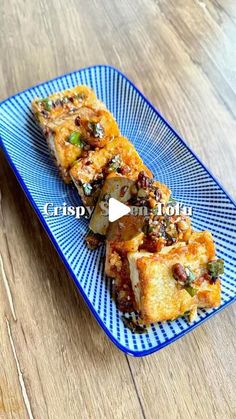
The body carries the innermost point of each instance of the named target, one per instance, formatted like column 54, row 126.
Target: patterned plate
column 171, row 161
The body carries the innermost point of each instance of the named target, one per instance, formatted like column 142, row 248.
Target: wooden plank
column 228, row 7
column 194, row 377
column 68, row 363
column 206, row 31
column 13, row 399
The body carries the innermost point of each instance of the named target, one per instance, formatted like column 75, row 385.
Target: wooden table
column 55, row 361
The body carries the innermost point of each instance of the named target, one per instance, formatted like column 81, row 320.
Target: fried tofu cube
column 63, row 151
column 117, row 158
column 59, row 104
column 114, row 187
column 119, row 188
column 73, row 122
column 124, row 235
column 158, row 295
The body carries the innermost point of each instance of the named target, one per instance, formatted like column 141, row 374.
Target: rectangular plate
column 163, row 151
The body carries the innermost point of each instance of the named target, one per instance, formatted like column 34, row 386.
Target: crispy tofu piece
column 59, row 104
column 131, row 234
column 158, row 296
column 74, row 112
column 119, row 188
column 117, row 158
column 114, row 187
column 116, row 263
column 124, row 235
column 64, row 153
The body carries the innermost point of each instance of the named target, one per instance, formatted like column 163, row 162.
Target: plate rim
column 18, row 176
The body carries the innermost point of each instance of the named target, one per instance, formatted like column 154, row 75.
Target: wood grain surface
column 55, row 361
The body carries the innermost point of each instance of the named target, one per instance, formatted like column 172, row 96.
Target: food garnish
column 216, row 268
column 97, row 129
column 75, row 139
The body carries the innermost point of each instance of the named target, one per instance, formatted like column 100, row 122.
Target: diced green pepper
column 75, row 139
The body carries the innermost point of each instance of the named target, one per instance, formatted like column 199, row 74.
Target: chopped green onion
column 87, row 187
column 172, row 202
column 142, row 193
column 75, row 139
column 97, row 129
column 47, row 104
column 145, row 228
column 192, row 291
column 80, row 95
column 114, row 163
column 190, row 274
column 216, row 268
column 154, row 210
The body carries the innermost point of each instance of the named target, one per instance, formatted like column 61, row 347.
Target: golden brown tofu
column 64, row 152
column 158, row 295
column 124, row 235
column 128, row 235
column 122, row 189
column 60, row 104
column 114, row 187
column 117, row 158
column 74, row 121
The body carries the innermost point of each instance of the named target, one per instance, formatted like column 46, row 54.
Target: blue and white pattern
column 163, row 151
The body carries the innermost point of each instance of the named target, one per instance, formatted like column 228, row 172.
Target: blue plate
column 163, row 151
